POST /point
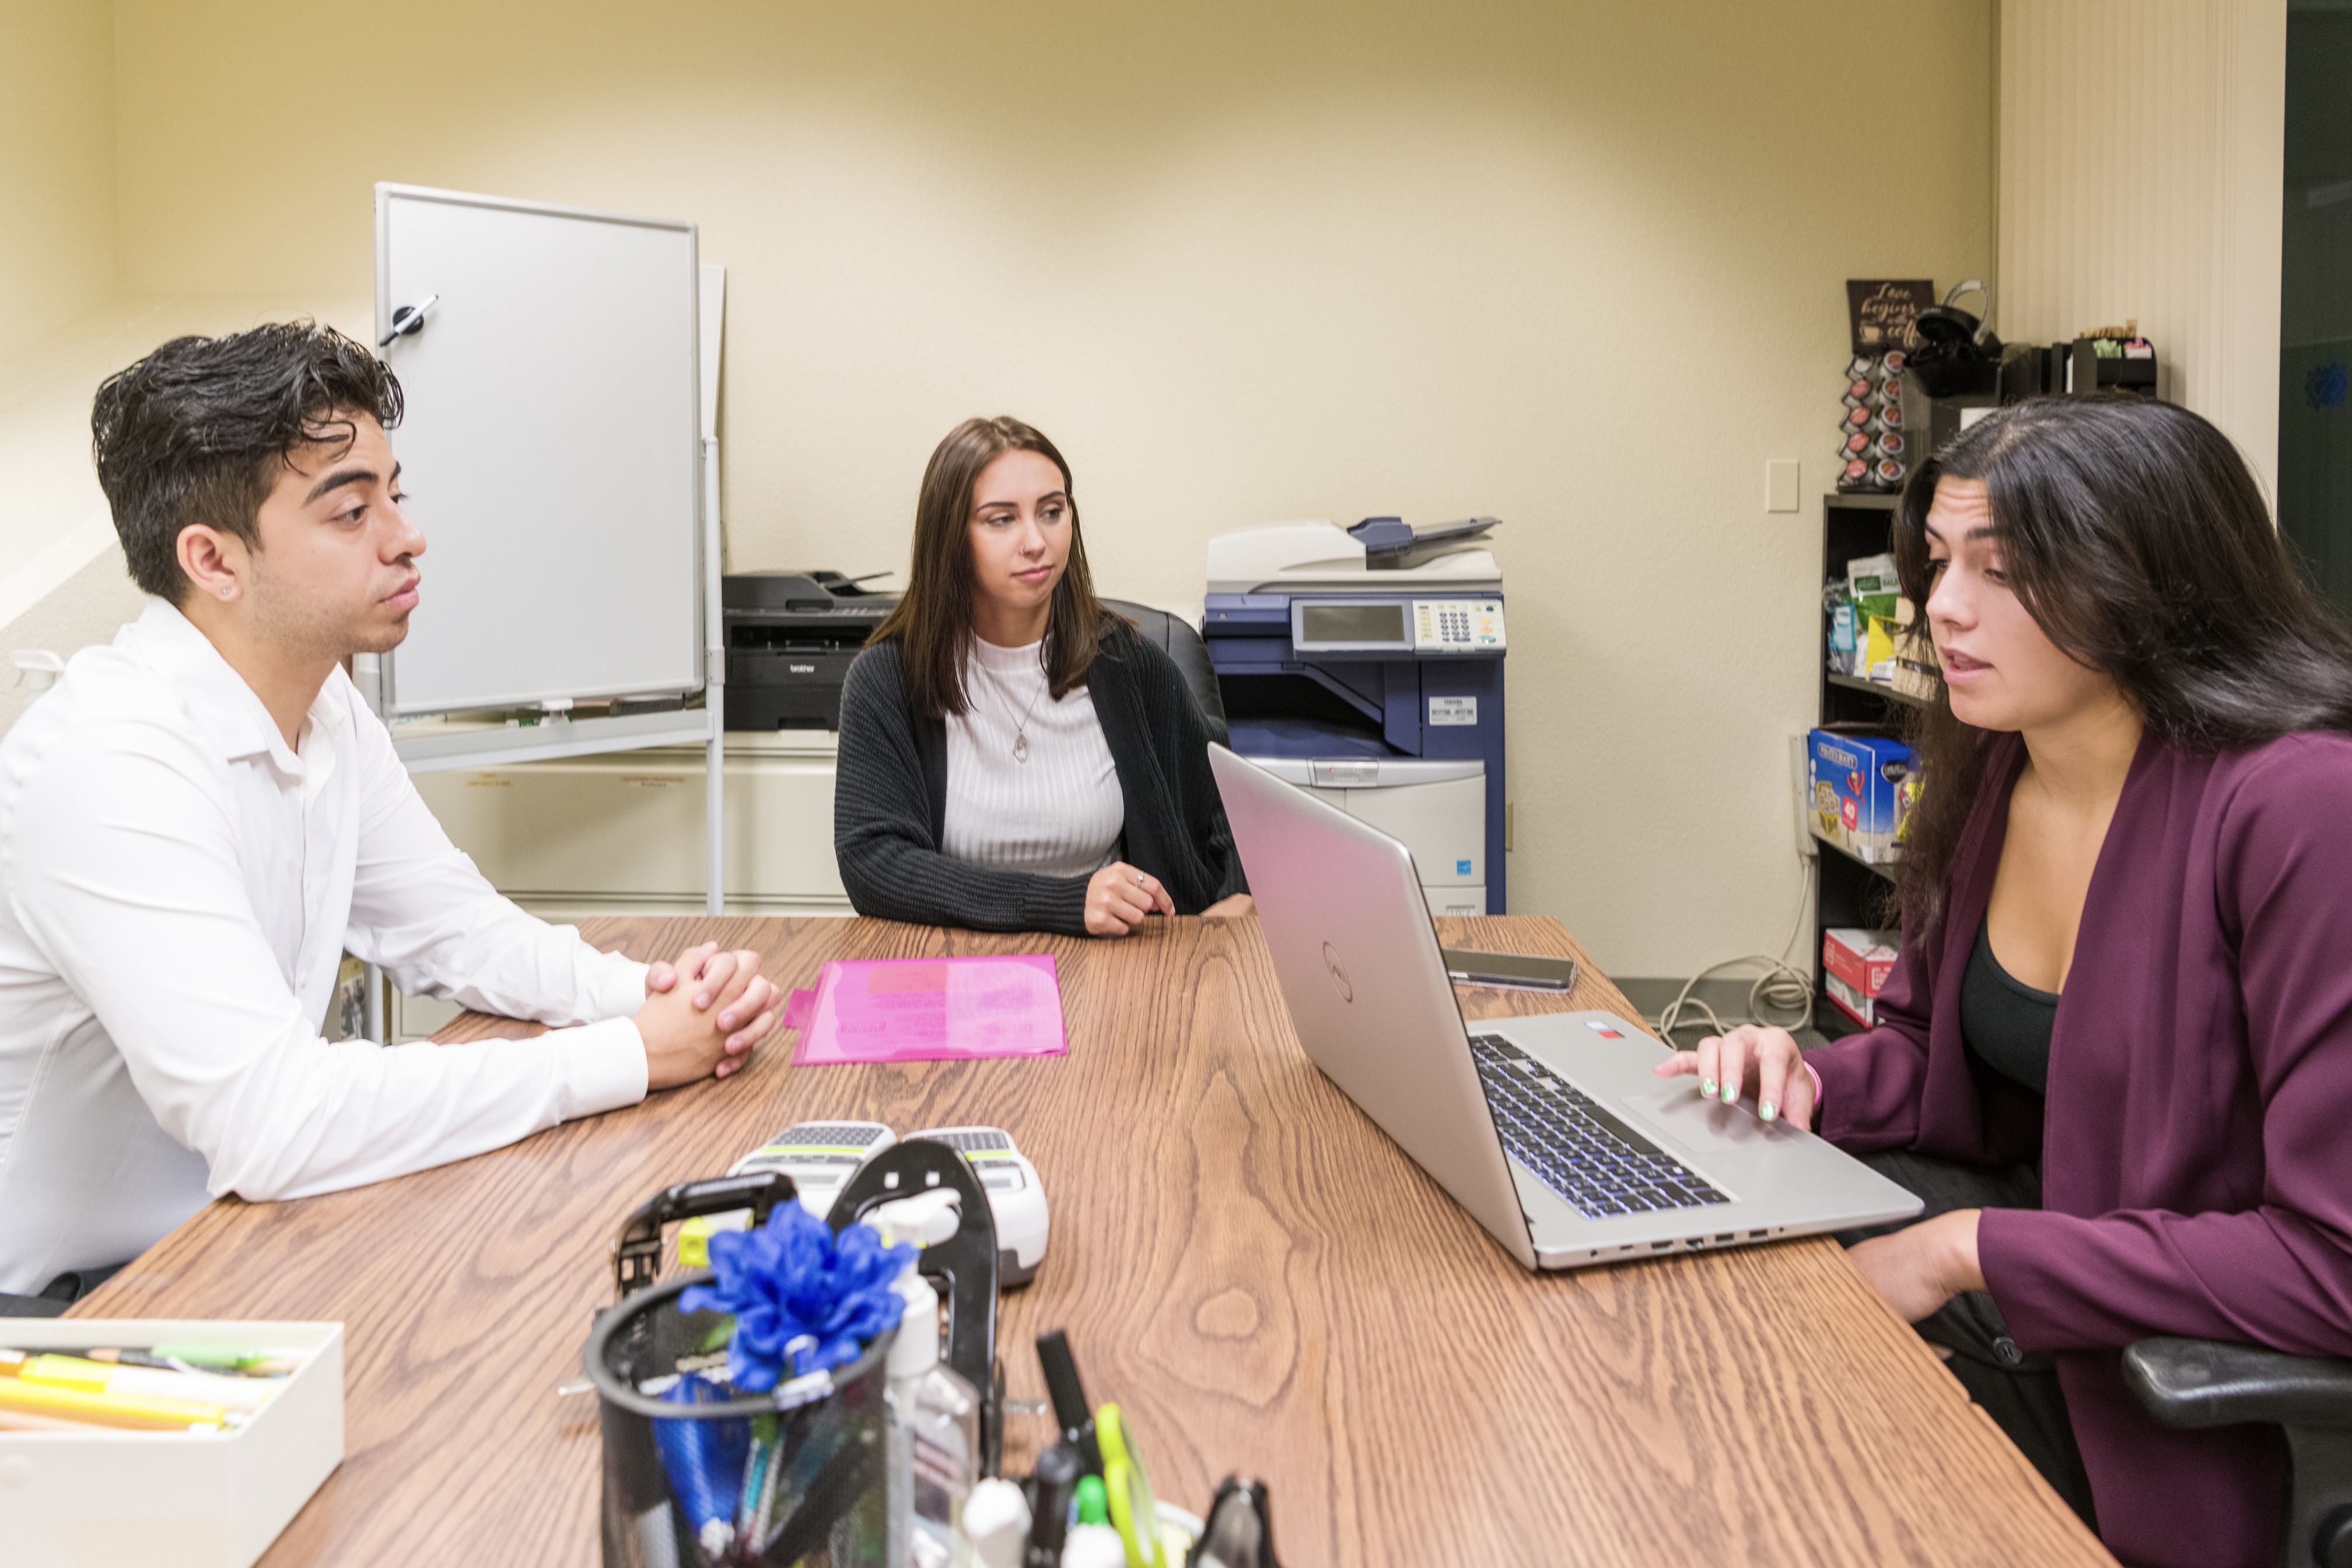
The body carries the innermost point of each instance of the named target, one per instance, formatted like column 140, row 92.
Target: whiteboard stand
column 711, row 319
column 714, row 696
column 494, row 313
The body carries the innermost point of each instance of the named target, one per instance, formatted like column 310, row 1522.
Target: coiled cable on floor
column 1780, row 988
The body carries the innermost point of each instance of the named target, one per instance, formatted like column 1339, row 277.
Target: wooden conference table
column 1246, row 1264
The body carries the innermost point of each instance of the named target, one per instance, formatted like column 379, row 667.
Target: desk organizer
column 796, row 1476
column 76, row 1500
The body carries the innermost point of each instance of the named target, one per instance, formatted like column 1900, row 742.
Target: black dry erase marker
column 1049, row 1511
column 1071, row 1412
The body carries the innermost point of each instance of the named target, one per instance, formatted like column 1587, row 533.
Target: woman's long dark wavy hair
column 2134, row 535
column 933, row 624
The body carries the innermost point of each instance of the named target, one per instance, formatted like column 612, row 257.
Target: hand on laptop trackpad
column 1680, row 1110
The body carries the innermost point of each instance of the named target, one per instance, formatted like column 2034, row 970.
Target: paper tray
column 80, row 1499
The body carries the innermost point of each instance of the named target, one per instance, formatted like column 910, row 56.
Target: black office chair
column 59, row 1293
column 1182, row 643
column 2204, row 1383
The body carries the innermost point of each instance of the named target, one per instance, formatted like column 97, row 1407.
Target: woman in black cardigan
column 1013, row 756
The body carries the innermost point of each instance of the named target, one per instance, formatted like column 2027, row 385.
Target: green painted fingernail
column 1730, row 1093
column 1706, row 1088
column 1768, row 1110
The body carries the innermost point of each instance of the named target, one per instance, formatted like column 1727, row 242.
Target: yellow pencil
column 245, row 1394
column 137, row 1411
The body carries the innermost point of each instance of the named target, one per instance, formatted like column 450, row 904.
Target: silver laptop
column 1552, row 1130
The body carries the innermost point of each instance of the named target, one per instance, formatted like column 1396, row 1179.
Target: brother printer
column 1366, row 666
column 790, row 636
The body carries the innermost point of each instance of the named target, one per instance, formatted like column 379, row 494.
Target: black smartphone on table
column 1508, row 970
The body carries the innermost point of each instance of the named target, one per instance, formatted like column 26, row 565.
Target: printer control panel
column 1457, row 626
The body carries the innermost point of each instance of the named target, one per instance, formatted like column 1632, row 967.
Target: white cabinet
column 621, row 832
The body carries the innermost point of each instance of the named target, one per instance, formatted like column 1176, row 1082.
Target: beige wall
column 56, row 165
column 1579, row 266
column 2142, row 159
column 84, row 609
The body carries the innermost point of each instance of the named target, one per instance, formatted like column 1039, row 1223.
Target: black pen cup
column 794, row 1476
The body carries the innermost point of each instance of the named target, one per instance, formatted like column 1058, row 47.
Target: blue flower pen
column 705, row 1461
column 803, row 1300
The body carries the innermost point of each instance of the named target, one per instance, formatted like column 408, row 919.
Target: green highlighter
column 205, row 1357
column 1134, row 1511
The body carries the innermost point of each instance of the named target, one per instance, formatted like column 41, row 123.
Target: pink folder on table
column 930, row 1009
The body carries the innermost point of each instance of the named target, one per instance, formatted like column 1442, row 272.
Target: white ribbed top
column 1059, row 813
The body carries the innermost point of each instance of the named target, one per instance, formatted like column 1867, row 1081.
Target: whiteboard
column 550, row 450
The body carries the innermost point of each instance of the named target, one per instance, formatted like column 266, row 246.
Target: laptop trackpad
column 1701, row 1123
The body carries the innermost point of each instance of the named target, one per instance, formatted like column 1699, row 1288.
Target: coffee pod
column 1893, row 363
column 1891, row 415
column 1890, row 472
column 1856, row 472
column 1888, row 445
column 1855, row 418
column 1857, row 444
column 1857, row 393
column 1860, row 368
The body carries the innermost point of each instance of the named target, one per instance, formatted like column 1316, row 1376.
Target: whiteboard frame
column 559, row 735
column 386, row 193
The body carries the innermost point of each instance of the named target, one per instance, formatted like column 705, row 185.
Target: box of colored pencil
column 163, row 1440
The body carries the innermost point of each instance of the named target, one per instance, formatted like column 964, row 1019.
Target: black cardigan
column 889, row 802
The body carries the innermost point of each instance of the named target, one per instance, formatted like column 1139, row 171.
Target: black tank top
column 2004, row 1022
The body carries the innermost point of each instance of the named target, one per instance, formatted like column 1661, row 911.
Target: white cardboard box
column 1862, row 1010
column 104, row 1497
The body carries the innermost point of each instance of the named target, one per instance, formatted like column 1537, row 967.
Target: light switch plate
column 1781, row 484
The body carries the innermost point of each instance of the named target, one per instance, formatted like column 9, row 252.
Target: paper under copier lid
column 1287, row 557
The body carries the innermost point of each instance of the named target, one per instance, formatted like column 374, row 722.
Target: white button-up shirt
column 179, row 891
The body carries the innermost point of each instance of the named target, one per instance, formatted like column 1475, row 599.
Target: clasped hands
column 707, row 1025
column 1916, row 1268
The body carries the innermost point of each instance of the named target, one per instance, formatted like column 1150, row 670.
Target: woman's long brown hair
column 933, row 623
column 2136, row 537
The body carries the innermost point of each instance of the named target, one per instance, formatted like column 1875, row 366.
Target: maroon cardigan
column 2195, row 1163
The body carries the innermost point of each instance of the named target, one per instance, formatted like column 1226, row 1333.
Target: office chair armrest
column 2205, row 1382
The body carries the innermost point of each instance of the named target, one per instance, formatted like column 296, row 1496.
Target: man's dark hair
column 199, row 431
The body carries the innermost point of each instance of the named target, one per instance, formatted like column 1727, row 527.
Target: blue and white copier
column 1366, row 665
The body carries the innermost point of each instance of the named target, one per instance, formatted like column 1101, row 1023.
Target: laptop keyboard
column 1590, row 1158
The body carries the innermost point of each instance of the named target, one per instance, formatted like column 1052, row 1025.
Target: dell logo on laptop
column 1338, row 976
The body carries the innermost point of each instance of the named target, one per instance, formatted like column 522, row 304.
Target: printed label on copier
column 1454, row 710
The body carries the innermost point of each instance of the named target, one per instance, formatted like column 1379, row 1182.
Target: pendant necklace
column 1020, row 725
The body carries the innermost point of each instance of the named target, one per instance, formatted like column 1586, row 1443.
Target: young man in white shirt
column 198, row 821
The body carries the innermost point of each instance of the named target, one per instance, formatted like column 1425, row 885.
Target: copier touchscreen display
column 1357, row 624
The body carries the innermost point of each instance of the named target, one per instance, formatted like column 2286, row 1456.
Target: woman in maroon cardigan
column 2115, row 1056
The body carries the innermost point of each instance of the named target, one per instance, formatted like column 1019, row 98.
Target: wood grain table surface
column 1250, row 1268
